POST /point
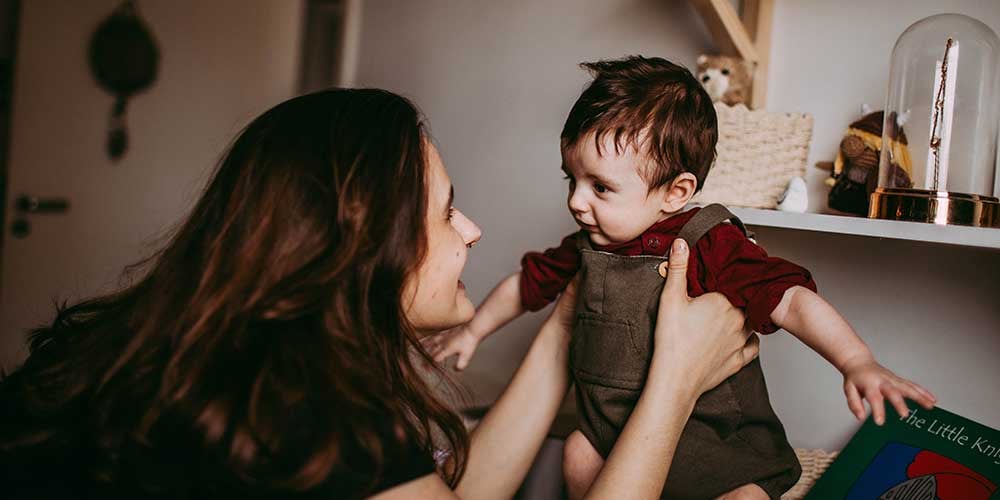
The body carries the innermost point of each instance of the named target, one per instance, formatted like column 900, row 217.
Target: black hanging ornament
column 124, row 59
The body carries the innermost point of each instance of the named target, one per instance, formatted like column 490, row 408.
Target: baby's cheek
column 616, row 230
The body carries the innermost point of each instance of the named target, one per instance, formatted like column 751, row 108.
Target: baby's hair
column 653, row 105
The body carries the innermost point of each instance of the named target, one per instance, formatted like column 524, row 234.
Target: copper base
column 936, row 207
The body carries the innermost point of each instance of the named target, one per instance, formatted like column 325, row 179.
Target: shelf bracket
column 746, row 35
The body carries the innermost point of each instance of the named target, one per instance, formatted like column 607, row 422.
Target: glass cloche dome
column 939, row 137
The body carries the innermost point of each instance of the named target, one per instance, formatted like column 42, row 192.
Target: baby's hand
column 459, row 340
column 867, row 379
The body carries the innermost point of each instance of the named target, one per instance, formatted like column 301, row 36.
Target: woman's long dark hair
column 266, row 343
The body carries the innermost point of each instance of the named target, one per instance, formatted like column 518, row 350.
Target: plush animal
column 727, row 79
column 855, row 171
column 796, row 197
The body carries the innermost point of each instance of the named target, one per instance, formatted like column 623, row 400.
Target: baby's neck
column 669, row 215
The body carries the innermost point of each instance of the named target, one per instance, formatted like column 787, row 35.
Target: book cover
column 929, row 455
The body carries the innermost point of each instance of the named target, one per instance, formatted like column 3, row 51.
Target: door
column 222, row 62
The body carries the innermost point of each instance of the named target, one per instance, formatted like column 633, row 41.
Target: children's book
column 929, row 455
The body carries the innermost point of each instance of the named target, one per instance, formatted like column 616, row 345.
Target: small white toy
column 796, row 197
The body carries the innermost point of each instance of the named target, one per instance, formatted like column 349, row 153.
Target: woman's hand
column 705, row 338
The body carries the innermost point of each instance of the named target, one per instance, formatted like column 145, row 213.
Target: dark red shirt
column 724, row 261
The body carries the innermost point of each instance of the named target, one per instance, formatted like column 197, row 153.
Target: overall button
column 662, row 268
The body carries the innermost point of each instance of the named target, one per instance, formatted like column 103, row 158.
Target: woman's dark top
column 70, row 469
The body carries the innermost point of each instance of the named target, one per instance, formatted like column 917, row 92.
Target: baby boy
column 636, row 146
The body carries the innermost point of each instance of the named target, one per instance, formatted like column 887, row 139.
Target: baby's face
column 607, row 197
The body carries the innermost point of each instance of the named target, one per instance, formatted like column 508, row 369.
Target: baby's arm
column 543, row 276
column 817, row 324
column 501, row 307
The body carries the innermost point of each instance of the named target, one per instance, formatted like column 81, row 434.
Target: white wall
column 222, row 63
column 496, row 80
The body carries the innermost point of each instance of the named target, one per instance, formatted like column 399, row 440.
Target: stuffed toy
column 796, row 196
column 855, row 171
column 727, row 79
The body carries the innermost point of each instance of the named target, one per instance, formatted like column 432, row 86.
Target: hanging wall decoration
column 124, row 60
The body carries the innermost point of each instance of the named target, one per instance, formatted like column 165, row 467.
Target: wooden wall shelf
column 974, row 237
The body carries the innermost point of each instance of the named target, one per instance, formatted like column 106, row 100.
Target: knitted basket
column 814, row 463
column 758, row 153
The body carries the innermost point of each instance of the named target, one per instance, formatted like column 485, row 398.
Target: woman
column 265, row 350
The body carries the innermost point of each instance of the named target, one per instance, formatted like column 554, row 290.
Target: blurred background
column 495, row 80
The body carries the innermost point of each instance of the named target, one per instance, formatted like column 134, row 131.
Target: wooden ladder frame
column 746, row 34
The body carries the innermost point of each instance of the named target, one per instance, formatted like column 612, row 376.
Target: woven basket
column 814, row 463
column 758, row 153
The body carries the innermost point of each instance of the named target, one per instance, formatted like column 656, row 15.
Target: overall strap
column 707, row 218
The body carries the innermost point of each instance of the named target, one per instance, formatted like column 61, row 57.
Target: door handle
column 35, row 205
column 25, row 205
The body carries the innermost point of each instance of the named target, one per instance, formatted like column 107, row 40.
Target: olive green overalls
column 733, row 437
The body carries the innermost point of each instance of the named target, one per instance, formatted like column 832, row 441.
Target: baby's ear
column 678, row 192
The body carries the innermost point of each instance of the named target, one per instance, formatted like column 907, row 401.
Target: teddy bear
column 727, row 79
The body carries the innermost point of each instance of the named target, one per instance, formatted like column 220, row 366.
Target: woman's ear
column 678, row 193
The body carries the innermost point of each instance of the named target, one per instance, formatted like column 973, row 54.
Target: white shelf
column 977, row 237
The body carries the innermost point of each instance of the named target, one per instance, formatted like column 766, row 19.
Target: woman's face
column 434, row 296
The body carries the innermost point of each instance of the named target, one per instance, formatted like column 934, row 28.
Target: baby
column 637, row 145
